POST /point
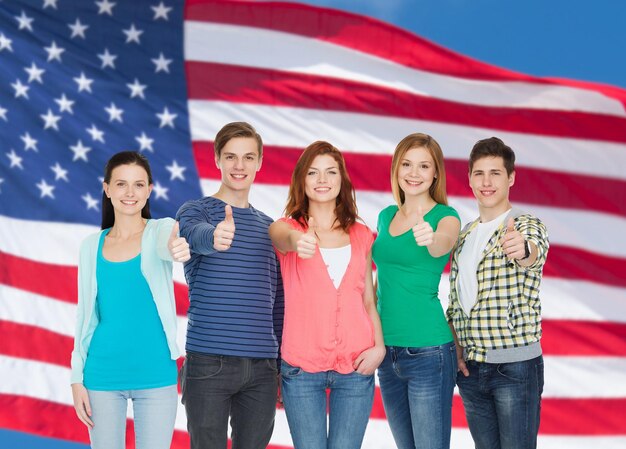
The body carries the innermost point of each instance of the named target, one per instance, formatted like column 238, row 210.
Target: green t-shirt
column 408, row 284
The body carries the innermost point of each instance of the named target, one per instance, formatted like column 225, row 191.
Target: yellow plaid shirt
column 507, row 313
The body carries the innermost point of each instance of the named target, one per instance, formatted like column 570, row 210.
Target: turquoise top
column 129, row 349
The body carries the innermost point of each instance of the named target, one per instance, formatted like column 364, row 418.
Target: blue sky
column 563, row 38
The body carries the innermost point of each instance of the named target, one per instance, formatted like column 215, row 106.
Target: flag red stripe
column 371, row 172
column 238, row 84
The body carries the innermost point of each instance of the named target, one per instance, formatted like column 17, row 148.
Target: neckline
column 407, row 231
column 101, row 249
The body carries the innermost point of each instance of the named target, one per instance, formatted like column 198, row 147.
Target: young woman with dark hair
column 125, row 343
column 332, row 337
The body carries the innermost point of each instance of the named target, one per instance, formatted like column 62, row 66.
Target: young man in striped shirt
column 495, row 309
column 235, row 304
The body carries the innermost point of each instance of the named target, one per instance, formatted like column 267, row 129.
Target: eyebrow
column 334, row 167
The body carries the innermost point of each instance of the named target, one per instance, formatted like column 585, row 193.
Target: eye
column 311, row 173
column 425, row 166
column 332, row 172
column 250, row 158
column 406, row 164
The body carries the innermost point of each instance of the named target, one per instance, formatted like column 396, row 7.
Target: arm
column 367, row 362
column 196, row 228
column 459, row 352
column 287, row 239
column 526, row 228
column 445, row 236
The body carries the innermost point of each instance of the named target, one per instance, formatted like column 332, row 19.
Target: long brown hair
column 297, row 202
column 437, row 189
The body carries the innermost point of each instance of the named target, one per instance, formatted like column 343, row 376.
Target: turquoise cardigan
column 156, row 267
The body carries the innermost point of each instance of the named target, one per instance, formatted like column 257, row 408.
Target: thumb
column 175, row 230
column 312, row 226
column 228, row 214
column 510, row 225
column 420, row 215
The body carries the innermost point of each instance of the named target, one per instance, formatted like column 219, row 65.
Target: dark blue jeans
column 417, row 385
column 503, row 403
column 215, row 387
column 304, row 396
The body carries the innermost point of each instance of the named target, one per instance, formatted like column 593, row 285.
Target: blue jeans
column 417, row 385
column 216, row 387
column 304, row 396
column 154, row 411
column 503, row 403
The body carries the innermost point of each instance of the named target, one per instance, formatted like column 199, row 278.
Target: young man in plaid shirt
column 495, row 309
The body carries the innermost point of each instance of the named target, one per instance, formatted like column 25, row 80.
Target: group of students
column 289, row 310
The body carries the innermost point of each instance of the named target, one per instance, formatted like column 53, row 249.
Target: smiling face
column 491, row 184
column 323, row 180
column 416, row 172
column 128, row 189
column 239, row 162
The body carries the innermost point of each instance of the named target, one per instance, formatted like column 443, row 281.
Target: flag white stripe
column 375, row 134
column 268, row 49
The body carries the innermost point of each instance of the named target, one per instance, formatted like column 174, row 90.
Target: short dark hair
column 493, row 147
column 233, row 130
column 122, row 158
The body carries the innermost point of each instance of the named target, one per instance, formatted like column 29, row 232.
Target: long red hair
column 297, row 202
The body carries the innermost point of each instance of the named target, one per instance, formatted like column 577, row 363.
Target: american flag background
column 81, row 80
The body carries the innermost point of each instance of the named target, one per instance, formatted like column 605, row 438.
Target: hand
column 178, row 246
column 367, row 361
column 460, row 361
column 224, row 231
column 513, row 244
column 423, row 231
column 307, row 241
column 81, row 404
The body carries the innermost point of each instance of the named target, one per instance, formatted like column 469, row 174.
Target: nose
column 321, row 178
column 239, row 164
column 487, row 180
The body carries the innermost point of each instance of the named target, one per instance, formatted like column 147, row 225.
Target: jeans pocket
column 288, row 371
column 427, row 351
column 515, row 371
column 202, row 367
column 271, row 364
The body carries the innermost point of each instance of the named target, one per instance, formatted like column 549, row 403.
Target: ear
column 217, row 162
column 150, row 186
column 511, row 179
column 105, row 187
column 260, row 163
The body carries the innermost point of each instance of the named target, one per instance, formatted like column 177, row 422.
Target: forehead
column 129, row 171
column 418, row 154
column 489, row 163
column 324, row 160
column 241, row 146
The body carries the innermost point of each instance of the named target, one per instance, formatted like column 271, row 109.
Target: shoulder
column 157, row 224
column 206, row 203
column 261, row 215
column 292, row 222
column 362, row 233
column 91, row 241
column 387, row 214
column 442, row 211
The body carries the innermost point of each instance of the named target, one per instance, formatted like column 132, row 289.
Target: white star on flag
column 21, row 90
column 132, row 34
column 145, row 143
column 105, row 7
column 92, row 203
column 1, row 181
column 65, row 104
column 51, row 3
column 5, row 43
column 59, row 172
column 108, row 59
column 176, row 171
column 34, row 73
column 114, row 113
column 160, row 191
column 50, row 120
column 83, row 82
column 29, row 143
column 3, row 113
column 136, row 89
column 54, row 52
column 80, row 151
column 46, row 189
column 24, row 22
column 78, row 29
column 162, row 64
column 166, row 118
column 95, row 133
column 161, row 11
column 14, row 159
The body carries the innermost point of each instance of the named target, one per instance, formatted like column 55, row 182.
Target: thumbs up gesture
column 307, row 242
column 423, row 231
column 224, row 231
column 178, row 246
column 513, row 243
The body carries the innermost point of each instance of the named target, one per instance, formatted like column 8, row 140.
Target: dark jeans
column 215, row 387
column 417, row 385
column 503, row 403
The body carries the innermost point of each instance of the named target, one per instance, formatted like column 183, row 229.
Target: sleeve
column 278, row 312
column 163, row 231
column 536, row 232
column 77, row 361
column 196, row 227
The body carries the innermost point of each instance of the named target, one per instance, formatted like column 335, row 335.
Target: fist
column 423, row 231
column 307, row 241
column 513, row 243
column 224, row 231
column 178, row 246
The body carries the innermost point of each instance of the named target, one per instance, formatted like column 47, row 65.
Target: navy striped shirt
column 236, row 300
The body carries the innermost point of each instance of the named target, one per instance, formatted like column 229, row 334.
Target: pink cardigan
column 326, row 328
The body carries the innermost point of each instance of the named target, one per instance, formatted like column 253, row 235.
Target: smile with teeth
column 129, row 202
column 322, row 189
column 413, row 183
column 487, row 192
column 238, row 176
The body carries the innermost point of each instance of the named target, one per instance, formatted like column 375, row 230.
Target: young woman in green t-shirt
column 415, row 238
